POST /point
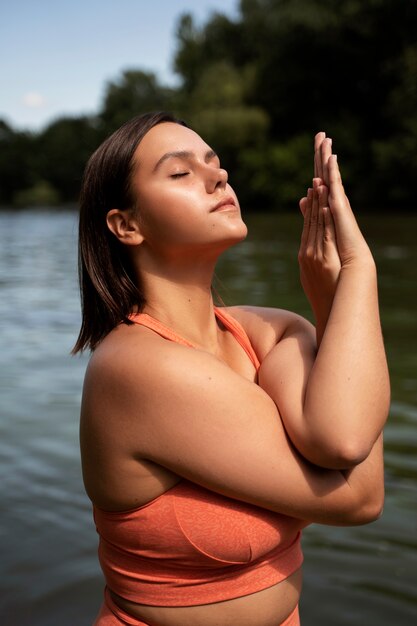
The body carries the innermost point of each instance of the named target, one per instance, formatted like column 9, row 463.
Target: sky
column 56, row 56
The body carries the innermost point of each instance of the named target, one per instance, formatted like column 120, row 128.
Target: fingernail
column 335, row 157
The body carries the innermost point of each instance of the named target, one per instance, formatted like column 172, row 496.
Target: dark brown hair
column 108, row 289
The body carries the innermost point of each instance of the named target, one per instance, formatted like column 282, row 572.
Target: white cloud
column 33, row 100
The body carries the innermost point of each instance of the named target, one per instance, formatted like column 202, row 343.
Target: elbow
column 344, row 456
column 358, row 513
column 350, row 454
column 352, row 449
column 371, row 510
column 368, row 508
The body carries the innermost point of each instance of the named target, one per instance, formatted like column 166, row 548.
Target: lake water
column 49, row 573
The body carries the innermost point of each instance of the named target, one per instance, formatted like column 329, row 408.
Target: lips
column 224, row 204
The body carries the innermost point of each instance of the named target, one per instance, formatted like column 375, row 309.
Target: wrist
column 362, row 261
column 358, row 272
column 321, row 317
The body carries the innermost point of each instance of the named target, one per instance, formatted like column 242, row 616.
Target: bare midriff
column 269, row 607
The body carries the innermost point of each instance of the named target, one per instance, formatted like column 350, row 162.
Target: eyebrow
column 183, row 154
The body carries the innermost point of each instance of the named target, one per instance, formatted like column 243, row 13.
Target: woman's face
column 184, row 201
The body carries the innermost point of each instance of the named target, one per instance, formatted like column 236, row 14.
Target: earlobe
column 124, row 226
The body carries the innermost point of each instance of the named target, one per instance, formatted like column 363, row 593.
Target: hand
column 331, row 239
column 351, row 245
column 318, row 255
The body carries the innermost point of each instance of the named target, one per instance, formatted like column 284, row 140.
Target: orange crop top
column 190, row 545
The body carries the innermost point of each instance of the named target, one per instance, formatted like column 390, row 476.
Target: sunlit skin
column 179, row 233
column 154, row 411
column 178, row 195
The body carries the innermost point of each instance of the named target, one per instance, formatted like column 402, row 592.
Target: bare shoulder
column 123, row 352
column 134, row 371
column 267, row 326
column 137, row 386
column 145, row 396
column 132, row 360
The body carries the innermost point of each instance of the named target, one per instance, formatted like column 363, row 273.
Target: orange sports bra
column 227, row 320
column 190, row 545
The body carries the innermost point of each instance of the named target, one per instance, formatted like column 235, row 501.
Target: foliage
column 16, row 163
column 135, row 92
column 276, row 173
column 62, row 151
column 257, row 88
column 348, row 68
column 42, row 194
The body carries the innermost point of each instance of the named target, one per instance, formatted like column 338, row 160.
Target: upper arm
column 287, row 359
column 190, row 413
column 286, row 345
column 266, row 327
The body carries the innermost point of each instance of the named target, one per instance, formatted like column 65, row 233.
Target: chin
column 239, row 234
column 242, row 231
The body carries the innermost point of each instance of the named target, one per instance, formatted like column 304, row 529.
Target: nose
column 216, row 178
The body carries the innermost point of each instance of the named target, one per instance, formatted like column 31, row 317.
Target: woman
column 211, row 436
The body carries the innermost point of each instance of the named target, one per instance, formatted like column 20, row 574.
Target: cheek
column 170, row 214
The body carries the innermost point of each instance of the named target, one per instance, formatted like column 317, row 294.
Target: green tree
column 135, row 92
column 62, row 151
column 395, row 156
column 276, row 174
column 41, row 194
column 216, row 109
column 16, row 162
column 218, row 40
column 257, row 87
column 321, row 65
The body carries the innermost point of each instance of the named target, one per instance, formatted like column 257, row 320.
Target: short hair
column 108, row 288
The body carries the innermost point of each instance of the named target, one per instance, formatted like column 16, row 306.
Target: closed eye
column 179, row 175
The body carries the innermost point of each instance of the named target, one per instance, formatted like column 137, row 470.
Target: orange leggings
column 111, row 615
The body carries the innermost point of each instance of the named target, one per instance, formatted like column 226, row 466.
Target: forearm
column 341, row 396
column 347, row 393
column 333, row 401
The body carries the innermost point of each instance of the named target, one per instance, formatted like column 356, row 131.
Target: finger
column 326, row 151
column 318, row 181
column 334, row 171
column 303, row 206
column 329, row 229
column 322, row 204
column 307, row 205
column 318, row 169
column 323, row 200
column 312, row 232
column 318, row 139
column 337, row 192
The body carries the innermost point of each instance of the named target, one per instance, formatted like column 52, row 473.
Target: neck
column 180, row 297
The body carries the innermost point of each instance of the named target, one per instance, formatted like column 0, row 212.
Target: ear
column 124, row 225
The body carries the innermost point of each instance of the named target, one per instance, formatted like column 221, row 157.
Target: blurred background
column 257, row 78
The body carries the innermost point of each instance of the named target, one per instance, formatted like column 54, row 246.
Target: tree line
column 257, row 88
